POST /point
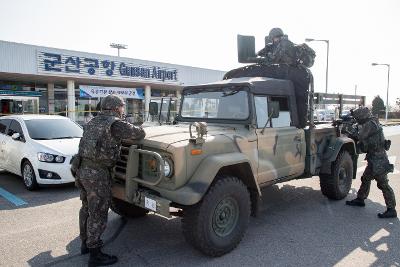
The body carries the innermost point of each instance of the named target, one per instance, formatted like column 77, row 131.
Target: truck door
column 290, row 141
column 280, row 146
column 267, row 168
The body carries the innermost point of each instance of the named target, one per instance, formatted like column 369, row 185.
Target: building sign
column 88, row 91
column 81, row 66
column 20, row 93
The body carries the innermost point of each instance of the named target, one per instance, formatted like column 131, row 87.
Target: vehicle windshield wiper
column 41, row 138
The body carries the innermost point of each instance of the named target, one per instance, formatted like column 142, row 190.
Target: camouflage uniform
column 280, row 52
column 372, row 140
column 99, row 151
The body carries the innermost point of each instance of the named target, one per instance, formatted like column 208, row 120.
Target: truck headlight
column 168, row 167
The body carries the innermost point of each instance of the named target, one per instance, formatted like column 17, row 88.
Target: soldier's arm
column 125, row 130
column 366, row 130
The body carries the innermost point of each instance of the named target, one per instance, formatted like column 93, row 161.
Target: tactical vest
column 97, row 143
column 376, row 139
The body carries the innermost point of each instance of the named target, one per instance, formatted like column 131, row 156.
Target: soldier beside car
column 372, row 141
column 98, row 152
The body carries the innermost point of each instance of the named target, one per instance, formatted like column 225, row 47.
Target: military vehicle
column 230, row 139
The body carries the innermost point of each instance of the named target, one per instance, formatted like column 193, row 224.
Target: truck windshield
column 222, row 104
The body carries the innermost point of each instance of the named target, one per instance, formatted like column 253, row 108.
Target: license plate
column 150, row 204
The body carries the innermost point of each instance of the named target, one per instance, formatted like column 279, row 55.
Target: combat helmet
column 112, row 102
column 275, row 32
column 361, row 114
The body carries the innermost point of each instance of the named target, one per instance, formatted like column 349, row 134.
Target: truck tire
column 126, row 209
column 337, row 185
column 216, row 225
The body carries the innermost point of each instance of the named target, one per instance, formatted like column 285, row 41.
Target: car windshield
column 46, row 129
column 231, row 104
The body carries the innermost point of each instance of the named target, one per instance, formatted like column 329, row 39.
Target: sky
column 203, row 33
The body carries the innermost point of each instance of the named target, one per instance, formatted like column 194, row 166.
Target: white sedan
column 39, row 148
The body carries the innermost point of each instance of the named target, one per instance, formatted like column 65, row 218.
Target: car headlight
column 168, row 167
column 46, row 157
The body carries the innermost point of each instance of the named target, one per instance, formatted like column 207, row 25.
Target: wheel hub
column 28, row 175
column 225, row 216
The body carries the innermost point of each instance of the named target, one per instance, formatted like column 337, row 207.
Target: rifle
column 347, row 127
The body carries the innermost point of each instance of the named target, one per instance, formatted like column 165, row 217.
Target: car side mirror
column 153, row 108
column 16, row 136
column 273, row 109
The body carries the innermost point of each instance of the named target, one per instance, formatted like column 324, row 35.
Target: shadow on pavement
column 297, row 226
column 42, row 196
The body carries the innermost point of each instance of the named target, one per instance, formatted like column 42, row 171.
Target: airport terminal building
column 43, row 80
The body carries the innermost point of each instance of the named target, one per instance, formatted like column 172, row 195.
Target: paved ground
column 297, row 226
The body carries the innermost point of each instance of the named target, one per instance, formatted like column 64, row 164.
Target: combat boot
column 98, row 258
column 389, row 213
column 356, row 202
column 84, row 248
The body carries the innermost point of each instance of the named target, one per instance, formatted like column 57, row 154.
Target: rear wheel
column 28, row 175
column 337, row 184
column 126, row 209
column 216, row 225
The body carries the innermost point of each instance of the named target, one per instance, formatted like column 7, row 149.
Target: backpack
column 305, row 55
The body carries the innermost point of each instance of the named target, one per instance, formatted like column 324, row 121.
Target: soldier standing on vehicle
column 278, row 48
column 372, row 141
column 99, row 151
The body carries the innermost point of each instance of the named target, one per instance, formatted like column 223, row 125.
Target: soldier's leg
column 366, row 179
column 83, row 212
column 363, row 192
column 99, row 198
column 388, row 194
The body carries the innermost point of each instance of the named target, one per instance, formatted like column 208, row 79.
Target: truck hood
column 166, row 135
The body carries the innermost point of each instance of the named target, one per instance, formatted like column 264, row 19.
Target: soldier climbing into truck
column 231, row 138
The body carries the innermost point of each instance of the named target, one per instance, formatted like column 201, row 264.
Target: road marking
column 12, row 198
column 392, row 160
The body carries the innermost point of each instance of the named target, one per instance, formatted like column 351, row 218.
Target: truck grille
column 120, row 167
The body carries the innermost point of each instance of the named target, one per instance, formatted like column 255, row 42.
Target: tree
column 377, row 105
column 398, row 102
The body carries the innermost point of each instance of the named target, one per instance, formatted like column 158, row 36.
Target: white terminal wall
column 20, row 58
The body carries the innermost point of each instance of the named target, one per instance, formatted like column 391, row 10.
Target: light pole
column 327, row 59
column 118, row 46
column 387, row 90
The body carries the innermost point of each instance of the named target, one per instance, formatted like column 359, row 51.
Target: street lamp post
column 387, row 89
column 118, row 46
column 327, row 59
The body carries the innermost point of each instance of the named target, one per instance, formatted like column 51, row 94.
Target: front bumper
column 144, row 199
column 63, row 170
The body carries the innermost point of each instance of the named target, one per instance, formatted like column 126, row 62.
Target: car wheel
column 216, row 225
column 337, row 185
column 28, row 175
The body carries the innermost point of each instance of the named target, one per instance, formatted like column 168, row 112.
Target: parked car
column 39, row 148
column 324, row 115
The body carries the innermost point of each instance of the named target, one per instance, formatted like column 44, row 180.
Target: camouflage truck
column 231, row 138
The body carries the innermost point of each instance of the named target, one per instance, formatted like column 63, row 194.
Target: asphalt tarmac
column 297, row 226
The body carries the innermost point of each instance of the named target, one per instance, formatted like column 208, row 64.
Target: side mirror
column 273, row 109
column 153, row 108
column 16, row 136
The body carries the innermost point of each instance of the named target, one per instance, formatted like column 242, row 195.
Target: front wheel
column 216, row 225
column 337, row 185
column 28, row 174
